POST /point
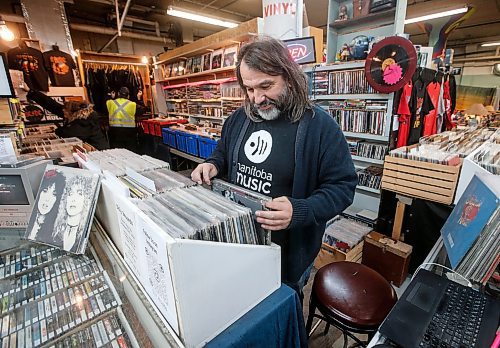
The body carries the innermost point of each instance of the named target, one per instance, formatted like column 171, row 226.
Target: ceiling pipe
column 109, row 31
column 122, row 17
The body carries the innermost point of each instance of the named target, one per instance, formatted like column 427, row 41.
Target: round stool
column 352, row 297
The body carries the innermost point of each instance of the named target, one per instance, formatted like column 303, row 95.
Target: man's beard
column 278, row 106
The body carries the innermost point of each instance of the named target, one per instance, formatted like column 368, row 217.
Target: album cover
column 189, row 66
column 230, row 54
column 197, row 64
column 217, row 59
column 469, row 217
column 206, row 61
column 64, row 208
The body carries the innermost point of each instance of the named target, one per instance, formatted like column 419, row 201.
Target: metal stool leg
column 310, row 316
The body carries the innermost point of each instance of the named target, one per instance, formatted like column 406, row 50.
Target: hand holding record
column 279, row 217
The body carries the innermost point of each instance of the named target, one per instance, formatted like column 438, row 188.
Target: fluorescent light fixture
column 437, row 15
column 144, row 60
column 490, row 44
column 199, row 18
column 5, row 33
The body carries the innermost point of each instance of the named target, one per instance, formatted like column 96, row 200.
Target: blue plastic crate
column 207, row 146
column 169, row 137
column 187, row 142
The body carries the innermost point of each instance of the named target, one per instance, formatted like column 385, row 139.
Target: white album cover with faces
column 64, row 208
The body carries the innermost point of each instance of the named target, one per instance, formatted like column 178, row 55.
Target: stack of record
column 196, row 213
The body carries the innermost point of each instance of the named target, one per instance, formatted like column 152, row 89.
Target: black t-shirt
column 60, row 66
column 30, row 62
column 420, row 105
column 266, row 159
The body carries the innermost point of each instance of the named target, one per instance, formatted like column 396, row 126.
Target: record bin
column 187, row 142
column 207, row 146
column 425, row 180
column 169, row 137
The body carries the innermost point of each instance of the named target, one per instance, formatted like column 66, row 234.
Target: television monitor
column 6, row 87
column 18, row 189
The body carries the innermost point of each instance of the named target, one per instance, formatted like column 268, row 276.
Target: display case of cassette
column 228, row 107
column 47, row 294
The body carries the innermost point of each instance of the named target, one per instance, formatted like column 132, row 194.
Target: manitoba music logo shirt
column 266, row 158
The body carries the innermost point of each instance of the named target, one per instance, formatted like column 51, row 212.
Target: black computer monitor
column 6, row 87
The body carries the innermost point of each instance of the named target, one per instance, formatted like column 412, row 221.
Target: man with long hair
column 282, row 146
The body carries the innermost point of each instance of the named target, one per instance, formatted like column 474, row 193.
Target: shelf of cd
column 368, row 189
column 229, row 69
column 366, row 159
column 366, row 136
column 377, row 96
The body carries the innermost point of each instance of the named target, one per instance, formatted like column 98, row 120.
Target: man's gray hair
column 271, row 57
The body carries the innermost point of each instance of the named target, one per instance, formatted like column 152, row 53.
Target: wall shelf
column 368, row 20
column 367, row 160
column 372, row 96
column 366, row 136
column 368, row 189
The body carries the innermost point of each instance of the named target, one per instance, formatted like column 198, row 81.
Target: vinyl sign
column 302, row 50
column 280, row 18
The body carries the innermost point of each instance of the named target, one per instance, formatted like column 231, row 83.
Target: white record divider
column 200, row 287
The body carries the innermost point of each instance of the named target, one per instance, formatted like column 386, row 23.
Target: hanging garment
column 420, row 106
column 404, row 113
column 430, row 119
column 448, row 124
column 441, row 110
column 30, row 62
column 60, row 66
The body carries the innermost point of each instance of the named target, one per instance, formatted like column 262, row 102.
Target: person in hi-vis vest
column 122, row 131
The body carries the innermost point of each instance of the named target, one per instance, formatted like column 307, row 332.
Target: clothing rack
column 111, row 62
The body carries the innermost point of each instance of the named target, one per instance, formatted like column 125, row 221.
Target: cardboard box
column 328, row 254
column 429, row 181
column 388, row 257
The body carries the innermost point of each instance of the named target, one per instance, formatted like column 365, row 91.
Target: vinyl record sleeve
column 64, row 208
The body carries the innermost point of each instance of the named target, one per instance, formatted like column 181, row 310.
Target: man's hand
column 279, row 217
column 203, row 173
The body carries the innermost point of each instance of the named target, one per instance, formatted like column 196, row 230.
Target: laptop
column 437, row 312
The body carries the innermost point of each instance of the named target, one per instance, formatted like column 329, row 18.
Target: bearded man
column 282, row 146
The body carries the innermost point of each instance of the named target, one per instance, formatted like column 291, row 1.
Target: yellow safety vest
column 121, row 113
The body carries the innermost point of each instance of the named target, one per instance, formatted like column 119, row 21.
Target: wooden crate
column 328, row 254
column 429, row 181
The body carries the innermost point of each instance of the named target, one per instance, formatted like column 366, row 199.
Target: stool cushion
column 354, row 294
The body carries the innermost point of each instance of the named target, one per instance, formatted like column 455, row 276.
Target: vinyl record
column 390, row 64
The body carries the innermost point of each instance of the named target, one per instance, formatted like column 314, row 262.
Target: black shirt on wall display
column 60, row 66
column 30, row 62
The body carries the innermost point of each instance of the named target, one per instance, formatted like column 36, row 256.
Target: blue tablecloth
column 275, row 322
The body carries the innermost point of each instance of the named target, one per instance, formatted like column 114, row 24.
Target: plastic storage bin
column 187, row 142
column 207, row 146
column 169, row 137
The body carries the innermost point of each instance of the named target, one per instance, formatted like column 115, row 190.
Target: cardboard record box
column 388, row 257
